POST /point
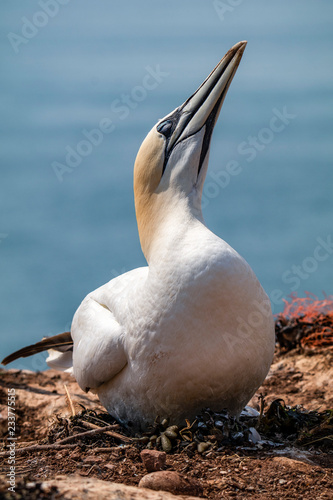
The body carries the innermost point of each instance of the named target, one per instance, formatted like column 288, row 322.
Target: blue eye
column 165, row 128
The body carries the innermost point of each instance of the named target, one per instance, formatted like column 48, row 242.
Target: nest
column 279, row 425
column 306, row 324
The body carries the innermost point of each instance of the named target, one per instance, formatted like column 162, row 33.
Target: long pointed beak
column 203, row 107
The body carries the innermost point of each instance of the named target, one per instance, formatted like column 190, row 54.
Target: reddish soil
column 227, row 471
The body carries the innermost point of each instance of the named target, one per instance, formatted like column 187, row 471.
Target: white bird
column 194, row 328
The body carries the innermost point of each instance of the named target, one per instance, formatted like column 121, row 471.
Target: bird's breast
column 200, row 301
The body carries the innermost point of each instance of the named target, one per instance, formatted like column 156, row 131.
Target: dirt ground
column 273, row 468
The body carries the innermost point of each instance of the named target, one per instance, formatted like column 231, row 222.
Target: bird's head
column 171, row 164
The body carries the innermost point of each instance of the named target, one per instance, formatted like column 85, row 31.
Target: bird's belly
column 200, row 354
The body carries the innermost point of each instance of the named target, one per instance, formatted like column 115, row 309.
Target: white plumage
column 194, row 328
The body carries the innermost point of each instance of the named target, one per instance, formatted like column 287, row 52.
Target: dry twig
column 39, row 447
column 113, row 434
column 69, row 401
column 112, row 448
column 99, row 430
column 63, row 443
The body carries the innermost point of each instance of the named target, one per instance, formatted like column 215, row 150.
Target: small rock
column 166, row 443
column 171, row 432
column 172, row 482
column 203, row 446
column 153, row 460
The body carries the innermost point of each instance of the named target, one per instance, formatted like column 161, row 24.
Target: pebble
column 153, row 460
column 172, row 482
column 166, row 443
column 203, row 447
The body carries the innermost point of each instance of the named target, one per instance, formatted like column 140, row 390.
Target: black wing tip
column 21, row 353
column 61, row 339
column 8, row 359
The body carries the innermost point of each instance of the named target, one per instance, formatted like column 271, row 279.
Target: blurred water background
column 68, row 67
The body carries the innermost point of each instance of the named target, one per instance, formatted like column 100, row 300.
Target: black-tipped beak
column 203, row 107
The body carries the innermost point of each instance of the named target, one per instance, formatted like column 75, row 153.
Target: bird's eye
column 165, row 128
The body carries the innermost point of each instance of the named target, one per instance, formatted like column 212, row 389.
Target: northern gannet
column 194, row 328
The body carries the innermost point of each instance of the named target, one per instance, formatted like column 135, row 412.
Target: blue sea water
column 68, row 67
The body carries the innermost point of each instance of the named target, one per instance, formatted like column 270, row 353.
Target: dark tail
column 61, row 342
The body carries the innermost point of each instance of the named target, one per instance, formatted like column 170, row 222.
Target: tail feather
column 59, row 360
column 62, row 342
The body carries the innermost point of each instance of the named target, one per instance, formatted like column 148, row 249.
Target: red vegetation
column 306, row 322
column 308, row 307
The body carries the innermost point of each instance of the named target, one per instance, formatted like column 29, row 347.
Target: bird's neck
column 163, row 220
